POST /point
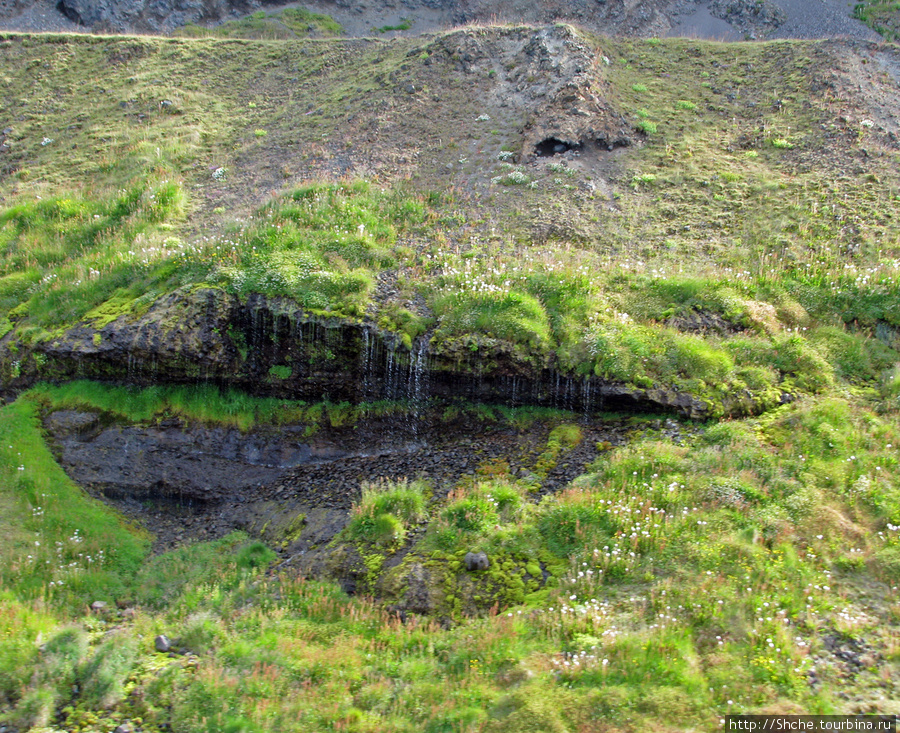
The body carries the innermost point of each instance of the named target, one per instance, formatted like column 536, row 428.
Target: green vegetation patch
column 261, row 25
column 385, row 511
column 882, row 17
column 322, row 245
column 62, row 257
column 59, row 546
column 620, row 596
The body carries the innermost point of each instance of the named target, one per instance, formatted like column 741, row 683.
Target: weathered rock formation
column 152, row 15
column 269, row 346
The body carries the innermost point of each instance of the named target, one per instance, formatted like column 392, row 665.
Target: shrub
column 254, row 555
column 473, row 513
column 385, row 509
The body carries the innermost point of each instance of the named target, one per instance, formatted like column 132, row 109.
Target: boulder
column 163, row 644
column 476, row 561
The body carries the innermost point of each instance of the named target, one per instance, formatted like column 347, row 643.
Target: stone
column 124, row 728
column 417, row 598
column 162, row 643
column 476, row 561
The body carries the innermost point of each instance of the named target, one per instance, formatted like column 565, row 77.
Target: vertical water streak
column 389, row 374
column 418, row 363
column 366, row 364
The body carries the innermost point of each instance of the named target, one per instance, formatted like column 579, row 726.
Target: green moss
column 561, row 439
column 280, row 372
column 119, row 305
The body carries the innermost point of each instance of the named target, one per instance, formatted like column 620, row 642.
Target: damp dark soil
column 191, row 483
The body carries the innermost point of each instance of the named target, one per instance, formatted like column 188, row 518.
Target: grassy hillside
column 750, row 567
column 724, row 224
column 880, row 16
column 757, row 187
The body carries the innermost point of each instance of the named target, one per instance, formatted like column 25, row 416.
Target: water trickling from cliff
column 417, row 387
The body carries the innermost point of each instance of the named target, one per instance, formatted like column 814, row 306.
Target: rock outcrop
column 152, row 16
column 269, row 346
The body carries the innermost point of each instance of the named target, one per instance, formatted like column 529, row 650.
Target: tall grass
column 386, row 509
column 323, row 244
column 685, row 580
column 59, row 546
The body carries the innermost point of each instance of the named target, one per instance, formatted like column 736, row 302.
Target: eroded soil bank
column 270, row 347
column 188, row 483
column 296, row 488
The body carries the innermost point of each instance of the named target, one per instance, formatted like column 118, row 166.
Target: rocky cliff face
column 152, row 16
column 269, row 346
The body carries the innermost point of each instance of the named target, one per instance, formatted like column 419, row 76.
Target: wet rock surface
column 268, row 346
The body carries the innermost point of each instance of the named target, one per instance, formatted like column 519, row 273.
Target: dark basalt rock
column 269, row 346
column 151, row 15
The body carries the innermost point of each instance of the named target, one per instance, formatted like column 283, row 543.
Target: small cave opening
column 550, row 146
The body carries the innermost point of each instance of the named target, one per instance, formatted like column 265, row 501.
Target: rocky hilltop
column 719, row 19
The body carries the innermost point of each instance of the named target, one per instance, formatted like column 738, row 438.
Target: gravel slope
column 821, row 19
column 41, row 17
column 692, row 18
